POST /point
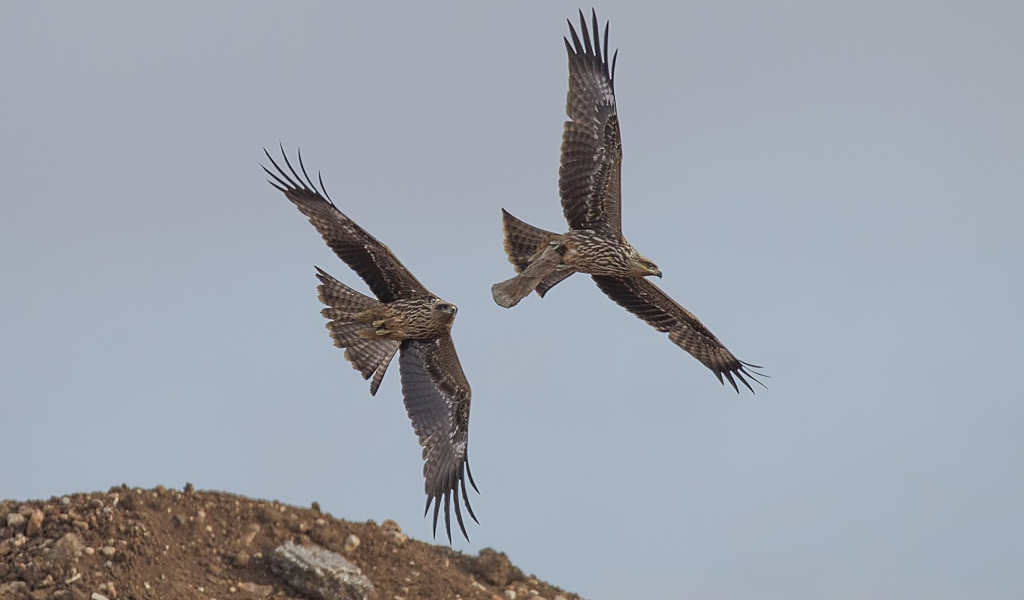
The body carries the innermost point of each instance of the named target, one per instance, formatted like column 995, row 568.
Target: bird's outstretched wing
column 373, row 261
column 589, row 175
column 437, row 398
column 645, row 300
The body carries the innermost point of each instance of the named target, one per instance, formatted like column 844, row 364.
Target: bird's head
column 445, row 311
column 643, row 266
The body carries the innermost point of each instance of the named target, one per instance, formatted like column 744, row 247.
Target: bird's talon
column 382, row 331
column 378, row 323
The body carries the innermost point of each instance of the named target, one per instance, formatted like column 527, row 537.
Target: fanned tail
column 369, row 355
column 530, row 252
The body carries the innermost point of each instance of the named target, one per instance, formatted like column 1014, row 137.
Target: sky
column 835, row 189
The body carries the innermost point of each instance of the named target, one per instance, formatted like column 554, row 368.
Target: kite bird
column 589, row 186
column 405, row 318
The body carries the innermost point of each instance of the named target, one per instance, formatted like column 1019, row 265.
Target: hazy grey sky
column 835, row 189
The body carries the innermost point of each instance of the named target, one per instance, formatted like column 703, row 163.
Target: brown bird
column 589, row 186
column 405, row 318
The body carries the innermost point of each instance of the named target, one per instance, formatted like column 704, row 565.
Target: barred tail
column 369, row 355
column 522, row 240
column 525, row 246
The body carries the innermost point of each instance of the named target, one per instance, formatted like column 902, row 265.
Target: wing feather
column 373, row 261
column 437, row 398
column 591, row 165
column 645, row 300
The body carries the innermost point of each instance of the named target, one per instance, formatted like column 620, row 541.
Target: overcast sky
column 835, row 189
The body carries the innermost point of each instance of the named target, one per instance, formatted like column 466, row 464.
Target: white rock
column 320, row 573
column 15, row 520
column 351, row 542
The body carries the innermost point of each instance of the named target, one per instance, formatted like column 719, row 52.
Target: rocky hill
column 130, row 543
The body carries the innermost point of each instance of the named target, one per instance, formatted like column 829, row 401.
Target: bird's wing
column 589, row 175
column 372, row 260
column 437, row 398
column 645, row 300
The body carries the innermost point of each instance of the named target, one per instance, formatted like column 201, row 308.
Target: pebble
column 25, row 510
column 35, row 523
column 80, row 525
column 241, row 559
column 108, row 551
column 559, row 597
column 396, row 536
column 256, row 589
column 351, row 542
column 390, row 525
column 254, row 529
column 12, row 588
column 98, row 596
column 68, row 547
column 64, row 500
column 90, row 551
column 16, row 520
column 510, row 594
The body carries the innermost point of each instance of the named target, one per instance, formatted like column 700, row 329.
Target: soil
column 131, row 543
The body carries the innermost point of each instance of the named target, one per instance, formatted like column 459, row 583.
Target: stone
column 559, row 597
column 510, row 594
column 80, row 525
column 98, row 596
column 319, row 573
column 351, row 542
column 25, row 510
column 67, row 548
column 35, row 523
column 108, row 551
column 493, row 567
column 254, row 530
column 16, row 520
column 11, row 589
column 396, row 536
column 241, row 559
column 256, row 589
column 389, row 525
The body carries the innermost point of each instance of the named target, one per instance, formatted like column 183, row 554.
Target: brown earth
column 161, row 543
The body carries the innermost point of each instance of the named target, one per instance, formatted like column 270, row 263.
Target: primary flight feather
column 589, row 186
column 405, row 319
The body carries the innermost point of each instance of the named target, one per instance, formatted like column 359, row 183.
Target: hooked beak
column 658, row 274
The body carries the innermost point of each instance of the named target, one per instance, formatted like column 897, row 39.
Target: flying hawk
column 405, row 318
column 589, row 186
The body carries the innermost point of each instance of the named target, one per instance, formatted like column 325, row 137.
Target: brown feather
column 373, row 261
column 590, row 171
column 645, row 300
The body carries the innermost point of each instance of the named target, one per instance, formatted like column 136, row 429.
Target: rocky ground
column 130, row 543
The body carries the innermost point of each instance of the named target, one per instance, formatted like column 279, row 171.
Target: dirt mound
column 160, row 543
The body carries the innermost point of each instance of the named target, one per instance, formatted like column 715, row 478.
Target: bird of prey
column 405, row 318
column 589, row 186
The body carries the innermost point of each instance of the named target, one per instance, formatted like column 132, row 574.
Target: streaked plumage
column 589, row 186
column 405, row 319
